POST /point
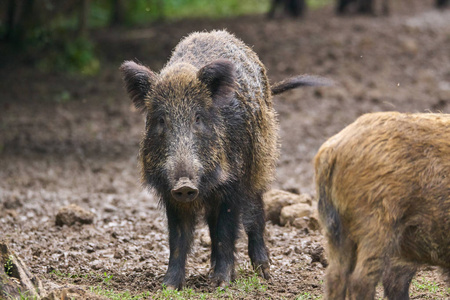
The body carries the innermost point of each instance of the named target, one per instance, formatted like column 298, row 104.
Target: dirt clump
column 73, row 214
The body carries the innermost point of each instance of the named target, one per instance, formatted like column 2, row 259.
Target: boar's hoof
column 223, row 285
column 263, row 269
column 220, row 283
column 171, row 287
column 223, row 280
column 184, row 190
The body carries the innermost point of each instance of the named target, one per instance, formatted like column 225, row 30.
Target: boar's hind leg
column 368, row 269
column 446, row 273
column 254, row 224
column 181, row 230
column 341, row 261
column 396, row 281
column 223, row 223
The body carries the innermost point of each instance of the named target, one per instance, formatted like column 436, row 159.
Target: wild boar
column 362, row 6
column 294, row 8
column 210, row 146
column 384, row 202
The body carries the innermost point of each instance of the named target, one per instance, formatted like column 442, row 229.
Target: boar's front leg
column 254, row 224
column 223, row 223
column 211, row 219
column 181, row 221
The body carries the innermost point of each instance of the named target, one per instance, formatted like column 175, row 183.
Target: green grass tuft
column 114, row 295
column 426, row 285
column 250, row 284
column 307, row 296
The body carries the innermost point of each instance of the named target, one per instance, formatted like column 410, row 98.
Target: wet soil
column 70, row 140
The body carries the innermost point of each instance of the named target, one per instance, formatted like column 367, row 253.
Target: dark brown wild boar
column 384, row 201
column 362, row 6
column 210, row 145
column 442, row 3
column 293, row 8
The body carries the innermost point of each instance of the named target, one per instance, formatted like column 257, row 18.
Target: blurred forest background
column 54, row 34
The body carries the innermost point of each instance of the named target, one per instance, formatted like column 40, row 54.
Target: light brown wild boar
column 384, row 201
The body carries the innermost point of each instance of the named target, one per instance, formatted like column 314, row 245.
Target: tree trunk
column 83, row 18
column 118, row 12
column 10, row 20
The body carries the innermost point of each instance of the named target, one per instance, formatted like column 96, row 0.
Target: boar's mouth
column 184, row 190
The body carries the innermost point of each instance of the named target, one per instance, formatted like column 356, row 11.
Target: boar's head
column 188, row 110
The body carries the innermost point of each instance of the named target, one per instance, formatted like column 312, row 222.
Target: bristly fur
column 384, row 189
column 331, row 220
column 299, row 81
column 209, row 122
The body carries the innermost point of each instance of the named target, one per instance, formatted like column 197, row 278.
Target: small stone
column 118, row 254
column 314, row 223
column 72, row 214
column 110, row 208
column 287, row 251
column 11, row 212
column 275, row 200
column 301, row 223
column 97, row 264
column 290, row 213
column 12, row 202
column 205, row 240
column 409, row 46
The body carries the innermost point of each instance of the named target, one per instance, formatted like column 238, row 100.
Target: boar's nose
column 184, row 190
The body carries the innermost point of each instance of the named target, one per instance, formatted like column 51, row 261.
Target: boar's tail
column 299, row 81
column 329, row 215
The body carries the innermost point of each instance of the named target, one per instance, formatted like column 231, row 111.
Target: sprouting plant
column 107, row 278
column 9, row 265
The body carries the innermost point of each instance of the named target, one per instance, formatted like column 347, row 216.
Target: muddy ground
column 65, row 139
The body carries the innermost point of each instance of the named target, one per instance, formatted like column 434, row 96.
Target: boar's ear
column 138, row 81
column 219, row 76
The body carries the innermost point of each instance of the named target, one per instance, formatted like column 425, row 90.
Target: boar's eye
column 198, row 124
column 161, row 121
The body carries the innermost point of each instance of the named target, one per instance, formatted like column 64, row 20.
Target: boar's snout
column 184, row 190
